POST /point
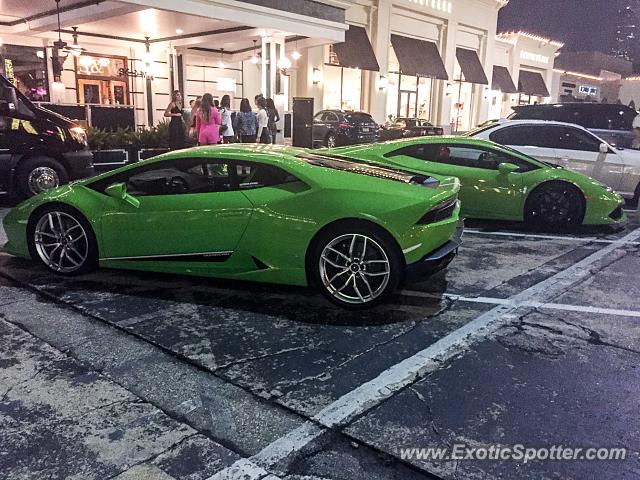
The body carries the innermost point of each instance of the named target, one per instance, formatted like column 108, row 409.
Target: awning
column 532, row 83
column 502, row 80
column 418, row 57
column 356, row 50
column 471, row 66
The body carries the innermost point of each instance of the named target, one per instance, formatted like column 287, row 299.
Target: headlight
column 79, row 135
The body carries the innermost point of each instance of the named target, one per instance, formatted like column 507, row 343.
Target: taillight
column 441, row 211
column 344, row 126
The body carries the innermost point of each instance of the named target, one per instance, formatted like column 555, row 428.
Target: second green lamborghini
column 500, row 183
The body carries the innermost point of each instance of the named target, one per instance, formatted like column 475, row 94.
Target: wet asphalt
column 132, row 375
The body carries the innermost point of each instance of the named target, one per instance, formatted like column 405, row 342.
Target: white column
column 445, row 89
column 380, row 33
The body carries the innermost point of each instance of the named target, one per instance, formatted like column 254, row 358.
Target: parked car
column 247, row 212
column 501, row 183
column 612, row 122
column 39, row 149
column 408, row 127
column 570, row 146
column 333, row 128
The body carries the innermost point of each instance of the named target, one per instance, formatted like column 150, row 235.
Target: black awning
column 502, row 80
column 418, row 57
column 356, row 50
column 532, row 83
column 471, row 66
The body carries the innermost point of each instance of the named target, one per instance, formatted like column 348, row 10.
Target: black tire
column 331, row 140
column 555, row 205
column 30, row 167
column 87, row 246
column 380, row 279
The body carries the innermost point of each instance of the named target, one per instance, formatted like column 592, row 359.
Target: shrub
column 154, row 137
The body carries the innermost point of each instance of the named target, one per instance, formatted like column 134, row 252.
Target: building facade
column 434, row 59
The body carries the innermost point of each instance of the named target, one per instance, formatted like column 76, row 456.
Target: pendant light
column 296, row 54
column 221, row 63
column 254, row 57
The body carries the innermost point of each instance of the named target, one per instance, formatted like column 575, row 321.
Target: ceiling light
column 296, row 55
column 284, row 63
column 179, row 31
column 254, row 57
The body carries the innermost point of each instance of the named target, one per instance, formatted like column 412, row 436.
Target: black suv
column 39, row 149
column 611, row 122
column 333, row 128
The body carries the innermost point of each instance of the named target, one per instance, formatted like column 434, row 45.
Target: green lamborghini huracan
column 262, row 213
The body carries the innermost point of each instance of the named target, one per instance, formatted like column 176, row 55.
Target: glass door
column 408, row 104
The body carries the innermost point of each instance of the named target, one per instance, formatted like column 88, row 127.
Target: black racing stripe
column 196, row 257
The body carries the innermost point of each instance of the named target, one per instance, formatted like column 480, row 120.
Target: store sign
column 91, row 66
column 588, row 90
column 125, row 72
column 533, row 57
column 441, row 5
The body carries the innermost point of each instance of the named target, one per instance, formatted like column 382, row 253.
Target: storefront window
column 462, row 102
column 342, row 88
column 102, row 79
column 26, row 68
column 407, row 95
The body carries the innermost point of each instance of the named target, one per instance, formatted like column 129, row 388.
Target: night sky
column 580, row 24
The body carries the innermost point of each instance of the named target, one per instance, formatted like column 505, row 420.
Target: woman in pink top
column 208, row 122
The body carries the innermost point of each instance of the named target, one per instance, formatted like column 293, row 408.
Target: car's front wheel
column 356, row 265
column 39, row 174
column 555, row 205
column 62, row 239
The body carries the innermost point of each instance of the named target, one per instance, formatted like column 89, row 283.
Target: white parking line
column 375, row 391
column 531, row 304
column 547, row 237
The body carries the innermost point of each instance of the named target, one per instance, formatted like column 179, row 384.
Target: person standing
column 226, row 128
column 274, row 118
column 246, row 123
column 195, row 106
column 208, row 122
column 263, row 122
column 176, row 124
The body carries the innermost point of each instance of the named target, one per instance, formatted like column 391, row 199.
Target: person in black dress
column 176, row 125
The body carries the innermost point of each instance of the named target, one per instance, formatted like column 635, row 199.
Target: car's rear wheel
column 62, row 239
column 555, row 205
column 356, row 265
column 39, row 174
column 331, row 141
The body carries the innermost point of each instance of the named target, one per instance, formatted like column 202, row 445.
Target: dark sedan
column 334, row 128
column 409, row 127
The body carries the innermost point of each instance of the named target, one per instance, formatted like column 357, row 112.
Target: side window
column 319, row 117
column 331, row 117
column 519, row 135
column 258, row 175
column 574, row 139
column 173, row 177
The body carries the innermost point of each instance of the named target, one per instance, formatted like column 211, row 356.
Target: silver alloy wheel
column 61, row 242
column 354, row 268
column 331, row 141
column 41, row 179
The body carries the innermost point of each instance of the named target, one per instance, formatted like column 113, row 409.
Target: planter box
column 145, row 153
column 104, row 160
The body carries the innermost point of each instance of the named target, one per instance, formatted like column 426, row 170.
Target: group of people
column 209, row 121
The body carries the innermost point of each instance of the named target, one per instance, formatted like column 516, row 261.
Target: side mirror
column 119, row 192
column 7, row 108
column 604, row 148
column 506, row 168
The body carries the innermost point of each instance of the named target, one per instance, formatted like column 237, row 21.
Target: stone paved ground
column 128, row 375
